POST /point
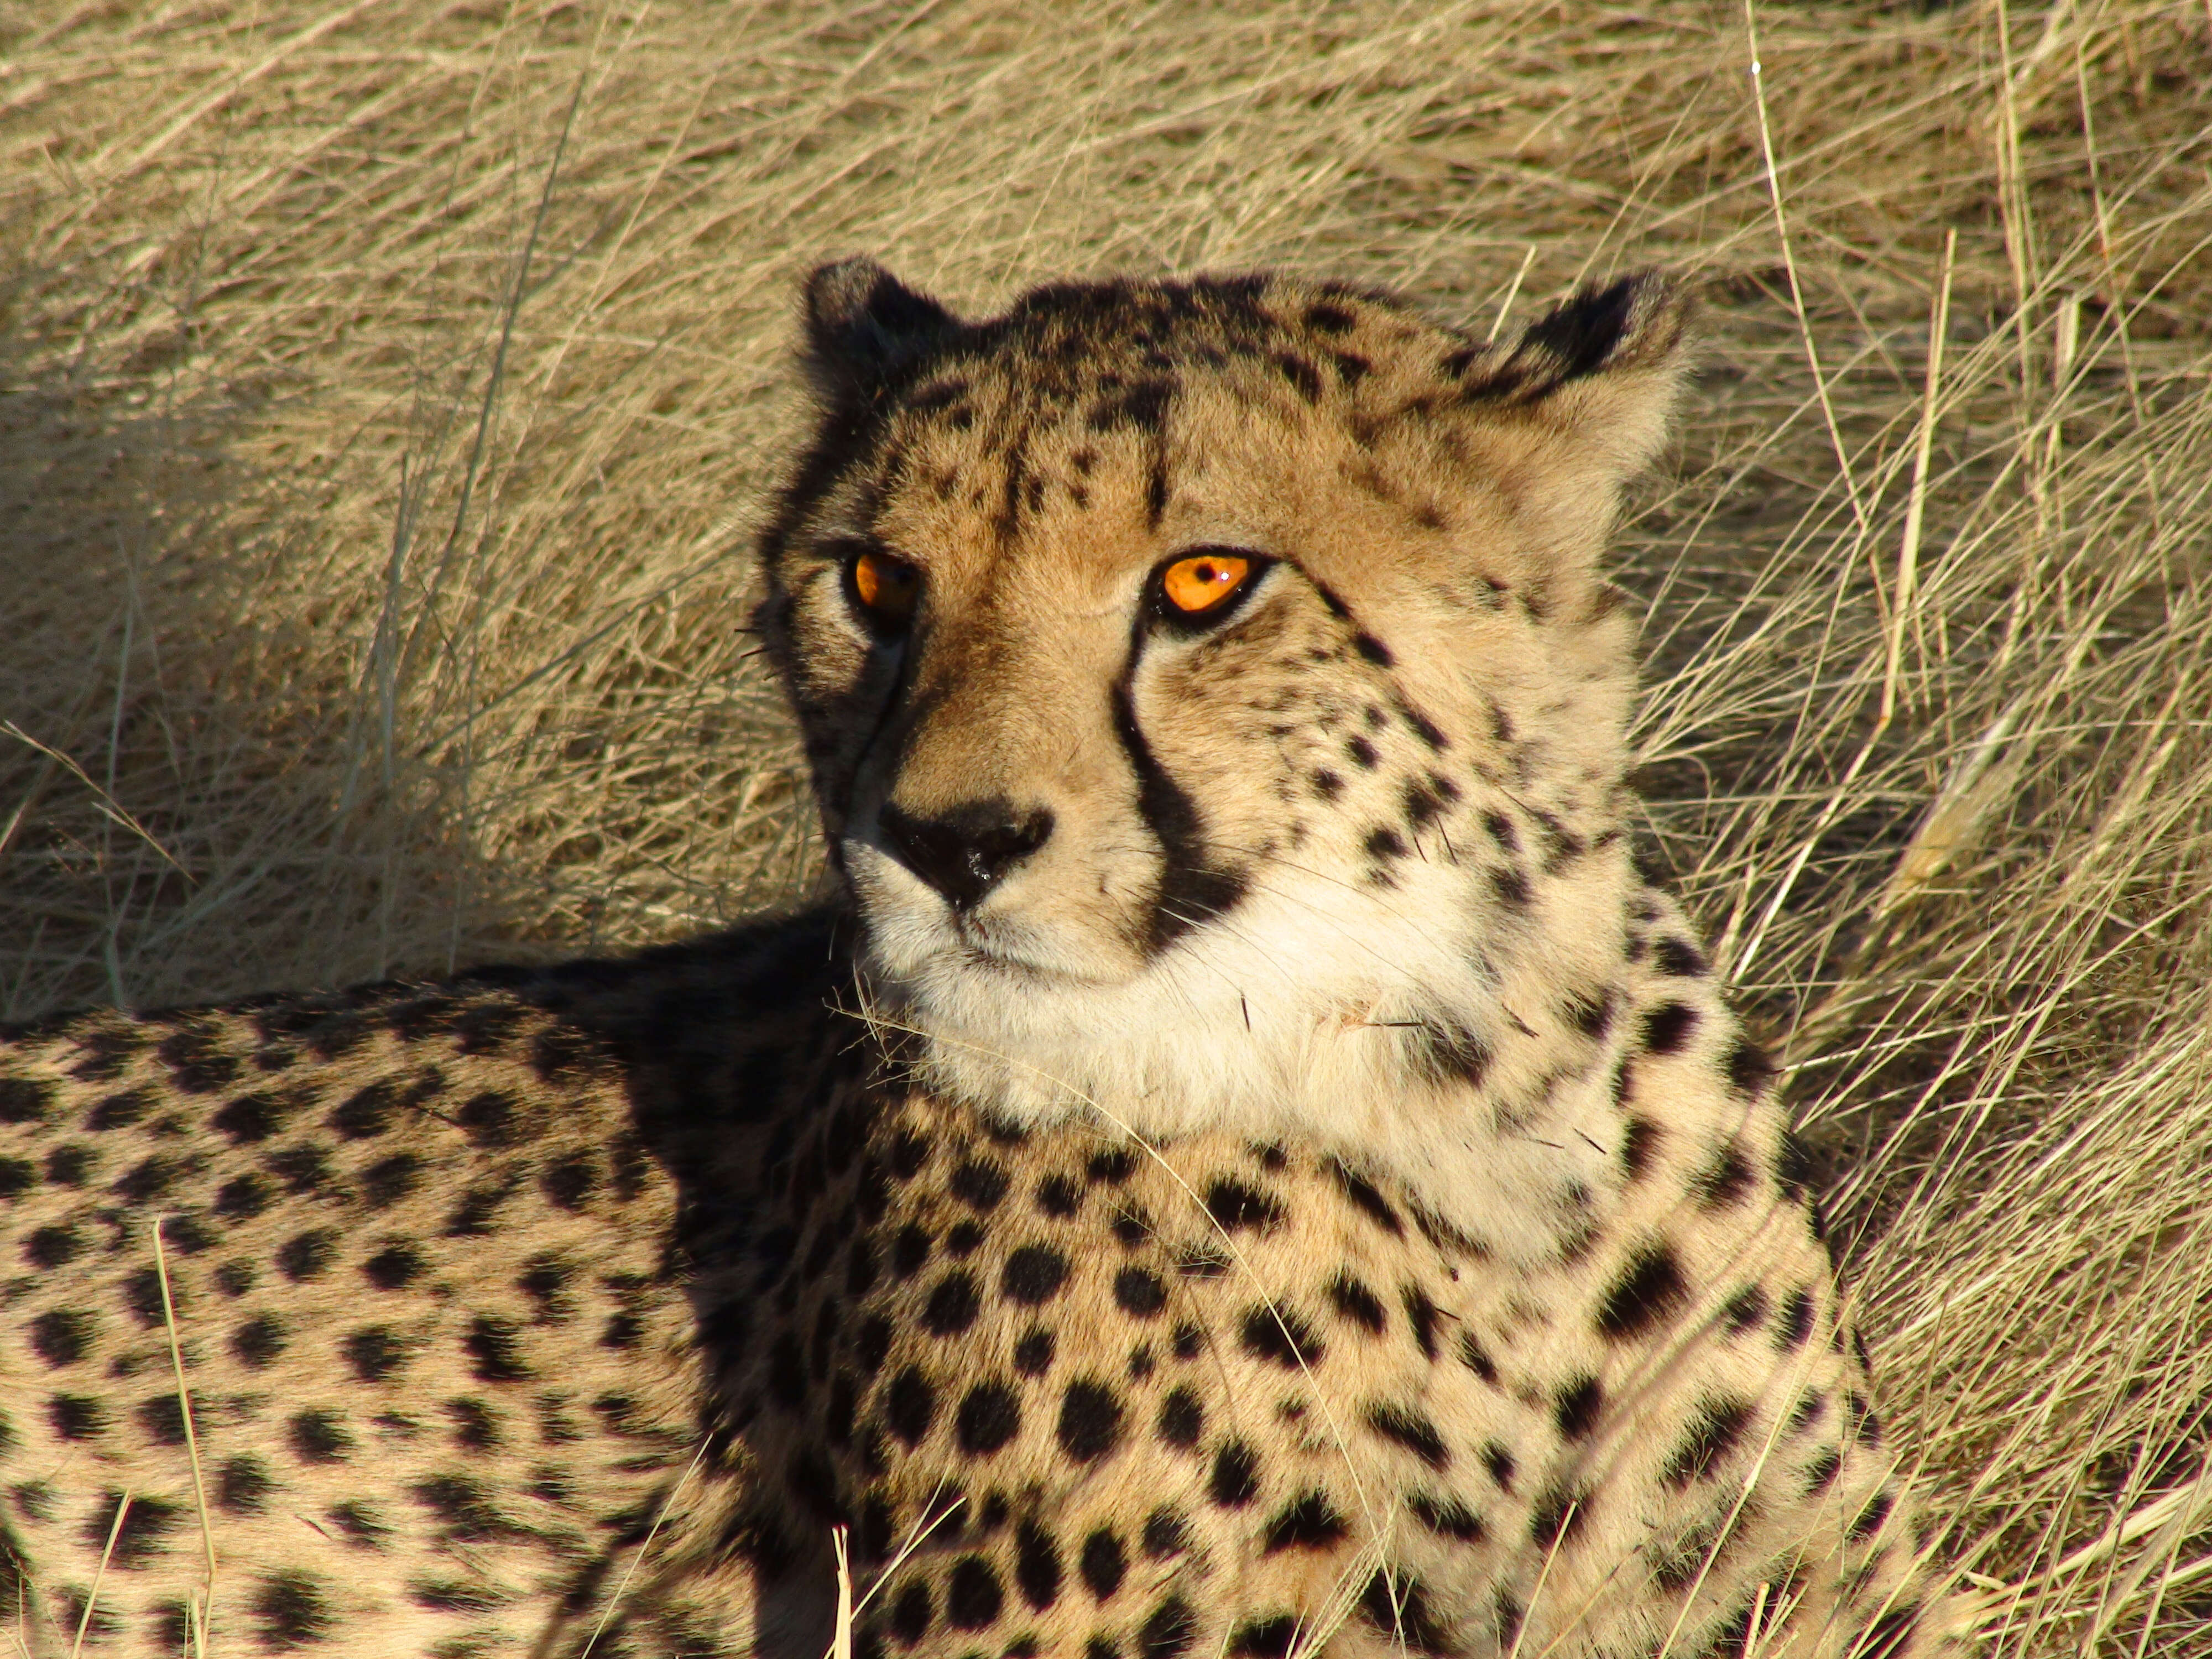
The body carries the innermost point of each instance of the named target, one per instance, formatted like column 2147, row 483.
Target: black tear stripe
column 1189, row 891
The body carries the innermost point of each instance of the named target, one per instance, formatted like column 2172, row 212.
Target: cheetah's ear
column 863, row 324
column 1602, row 368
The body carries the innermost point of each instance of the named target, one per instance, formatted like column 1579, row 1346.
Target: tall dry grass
column 386, row 390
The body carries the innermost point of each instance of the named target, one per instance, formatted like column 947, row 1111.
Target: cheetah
column 1242, row 1164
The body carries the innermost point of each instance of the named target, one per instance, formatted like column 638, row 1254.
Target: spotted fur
column 1245, row 1166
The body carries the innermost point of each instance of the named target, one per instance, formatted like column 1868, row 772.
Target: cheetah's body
column 1251, row 1168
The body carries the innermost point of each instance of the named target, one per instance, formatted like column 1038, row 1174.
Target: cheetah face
column 1210, row 691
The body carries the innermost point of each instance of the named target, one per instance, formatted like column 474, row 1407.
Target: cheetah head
column 1215, row 706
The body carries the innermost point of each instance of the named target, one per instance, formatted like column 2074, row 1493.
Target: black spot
column 60, row 1335
column 393, row 1267
column 910, row 1406
column 1364, row 1195
column 1139, row 1293
column 1327, row 784
column 1089, row 1420
column 289, row 1611
column 306, row 1255
column 952, row 1306
column 961, row 1242
column 1712, row 1434
column 1668, row 1026
column 386, row 1183
column 909, row 1251
column 1132, row 1226
column 1036, row 1565
column 1182, row 1419
column 1726, row 1177
column 1166, row 1534
column 1576, row 1405
column 980, row 1183
column 1796, row 1323
column 1749, row 1070
column 243, row 1485
column 252, row 1118
column 1102, row 1564
column 318, row 1437
column 1189, row 1339
column 1265, row 1639
column 52, row 1247
column 1446, row 1517
column 1441, row 1050
column 1425, row 729
column 1590, row 1015
column 76, row 1417
column 1357, row 1303
column 1058, row 1196
column 1033, row 1353
column 1373, row 649
column 1308, row 1521
column 475, row 1425
column 1113, row 1167
column 1745, row 1309
column 1511, row 886
column 1421, row 1314
column 1280, row 1335
column 990, row 1415
column 1236, row 1207
column 1472, row 1356
column 374, row 1353
column 495, row 1345
column 259, row 1339
column 234, row 1278
column 908, row 1151
column 1301, row 374
column 24, row 1100
column 972, row 1594
column 1168, row 1632
column 1326, row 318
column 1678, row 958
column 1650, row 1288
column 162, row 1418
column 1869, row 1519
column 1793, row 1168
column 1890, row 1635
column 1499, row 1462
column 1362, row 753
column 1397, row 1606
column 1385, row 843
column 138, row 1539
column 17, row 1176
column 1637, row 1141
column 1822, row 1470
column 1236, row 1475
column 911, row 1613
column 1559, row 1512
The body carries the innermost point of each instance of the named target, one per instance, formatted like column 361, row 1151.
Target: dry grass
column 385, row 390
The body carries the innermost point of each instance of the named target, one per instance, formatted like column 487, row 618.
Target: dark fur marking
column 1649, row 1289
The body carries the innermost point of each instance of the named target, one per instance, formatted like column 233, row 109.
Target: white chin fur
column 1284, row 1018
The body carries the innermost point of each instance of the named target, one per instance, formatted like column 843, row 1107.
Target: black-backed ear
column 862, row 323
column 1605, row 365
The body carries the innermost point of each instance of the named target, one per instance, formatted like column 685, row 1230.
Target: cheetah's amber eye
column 1204, row 582
column 886, row 588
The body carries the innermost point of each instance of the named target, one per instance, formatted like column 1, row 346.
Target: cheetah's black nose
column 968, row 851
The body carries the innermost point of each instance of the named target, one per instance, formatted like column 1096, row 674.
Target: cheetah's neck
column 1487, row 1078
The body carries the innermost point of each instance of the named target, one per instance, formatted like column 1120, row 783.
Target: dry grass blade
column 206, row 1600
column 266, row 273
column 100, row 1574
